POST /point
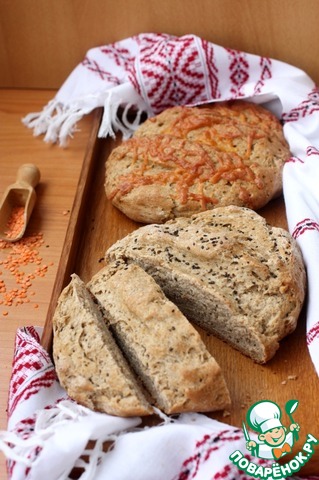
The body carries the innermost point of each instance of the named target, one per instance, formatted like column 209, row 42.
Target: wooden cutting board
column 95, row 225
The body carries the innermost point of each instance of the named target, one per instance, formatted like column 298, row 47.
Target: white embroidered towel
column 48, row 436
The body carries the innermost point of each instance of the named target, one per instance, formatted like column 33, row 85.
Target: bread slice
column 165, row 350
column 88, row 362
column 228, row 271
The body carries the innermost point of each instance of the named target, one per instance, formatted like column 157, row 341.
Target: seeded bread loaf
column 228, row 271
column 165, row 350
column 191, row 159
column 88, row 362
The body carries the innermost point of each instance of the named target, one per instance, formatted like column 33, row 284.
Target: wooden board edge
column 72, row 238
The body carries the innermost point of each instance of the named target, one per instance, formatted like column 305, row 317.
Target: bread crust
column 228, row 271
column 191, row 159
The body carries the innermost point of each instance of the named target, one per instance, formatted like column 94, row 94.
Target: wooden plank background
column 41, row 41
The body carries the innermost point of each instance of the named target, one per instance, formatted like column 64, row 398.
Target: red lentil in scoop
column 15, row 223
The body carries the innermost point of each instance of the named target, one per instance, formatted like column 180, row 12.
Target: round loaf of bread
column 228, row 271
column 191, row 159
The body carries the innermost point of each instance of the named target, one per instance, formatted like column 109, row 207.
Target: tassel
column 68, row 126
column 132, row 125
column 40, row 121
column 108, row 124
column 56, row 122
column 28, row 449
column 113, row 121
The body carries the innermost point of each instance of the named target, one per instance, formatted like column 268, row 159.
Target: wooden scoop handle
column 28, row 174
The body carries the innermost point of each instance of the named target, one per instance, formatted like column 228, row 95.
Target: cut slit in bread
column 88, row 362
column 157, row 358
column 162, row 346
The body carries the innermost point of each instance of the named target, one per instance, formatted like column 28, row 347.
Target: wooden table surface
column 60, row 169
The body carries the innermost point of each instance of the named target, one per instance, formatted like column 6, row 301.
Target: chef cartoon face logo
column 274, row 439
column 270, row 440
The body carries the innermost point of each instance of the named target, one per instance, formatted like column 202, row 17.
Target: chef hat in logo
column 264, row 416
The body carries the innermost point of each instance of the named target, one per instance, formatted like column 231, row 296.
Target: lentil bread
column 191, row 159
column 88, row 362
column 228, row 271
column 165, row 350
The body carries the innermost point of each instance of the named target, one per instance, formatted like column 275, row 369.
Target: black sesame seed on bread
column 228, row 271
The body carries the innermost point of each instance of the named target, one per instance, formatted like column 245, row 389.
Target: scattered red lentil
column 15, row 223
column 24, row 264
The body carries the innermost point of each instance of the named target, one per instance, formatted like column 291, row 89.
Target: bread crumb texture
column 88, row 362
column 164, row 349
column 121, row 347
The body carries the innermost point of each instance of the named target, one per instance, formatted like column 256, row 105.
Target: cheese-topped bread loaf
column 88, row 362
column 163, row 348
column 191, row 159
column 228, row 271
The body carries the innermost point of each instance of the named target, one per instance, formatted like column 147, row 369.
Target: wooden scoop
column 17, row 203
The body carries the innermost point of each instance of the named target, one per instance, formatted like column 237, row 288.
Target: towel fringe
column 59, row 123
column 55, row 121
column 114, row 120
column 39, row 121
column 25, row 448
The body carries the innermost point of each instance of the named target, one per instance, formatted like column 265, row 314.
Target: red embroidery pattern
column 239, row 74
column 172, row 73
column 94, row 67
column 25, row 429
column 313, row 334
column 46, row 380
column 212, row 69
column 204, row 448
column 121, row 56
column 29, row 358
column 266, row 73
column 303, row 226
column 312, row 151
column 305, row 108
column 148, row 46
column 294, row 160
